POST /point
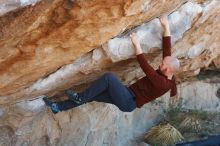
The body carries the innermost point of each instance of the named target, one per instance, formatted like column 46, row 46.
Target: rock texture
column 52, row 45
column 38, row 40
column 98, row 124
column 9, row 5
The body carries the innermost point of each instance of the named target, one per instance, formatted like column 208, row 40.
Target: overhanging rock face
column 10, row 5
column 40, row 39
column 37, row 40
column 50, row 45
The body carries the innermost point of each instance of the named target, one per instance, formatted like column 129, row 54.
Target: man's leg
column 103, row 97
column 110, row 89
column 59, row 106
column 66, row 105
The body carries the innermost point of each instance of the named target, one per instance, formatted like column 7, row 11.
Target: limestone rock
column 35, row 63
column 50, row 45
column 9, row 5
column 34, row 105
column 97, row 124
column 7, row 136
column 199, row 95
column 1, row 112
column 39, row 36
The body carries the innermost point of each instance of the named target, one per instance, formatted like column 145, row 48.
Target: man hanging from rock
column 109, row 89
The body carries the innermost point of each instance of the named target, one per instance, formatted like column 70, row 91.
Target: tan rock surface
column 57, row 44
column 37, row 40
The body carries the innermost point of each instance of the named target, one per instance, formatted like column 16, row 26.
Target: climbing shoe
column 74, row 96
column 53, row 106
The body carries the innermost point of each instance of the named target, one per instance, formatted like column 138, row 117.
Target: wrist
column 139, row 52
column 167, row 31
column 137, row 46
column 166, row 26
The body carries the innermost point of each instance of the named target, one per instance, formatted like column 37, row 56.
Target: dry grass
column 163, row 135
column 190, row 123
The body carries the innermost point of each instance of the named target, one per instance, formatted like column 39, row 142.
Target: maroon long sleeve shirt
column 154, row 84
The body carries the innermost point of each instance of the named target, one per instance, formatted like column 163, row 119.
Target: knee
column 131, row 106
column 126, row 109
column 109, row 75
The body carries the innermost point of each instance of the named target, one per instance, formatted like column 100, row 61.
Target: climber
column 109, row 89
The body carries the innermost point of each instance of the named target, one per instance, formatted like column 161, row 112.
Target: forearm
column 166, row 30
column 166, row 45
column 136, row 44
column 138, row 50
column 151, row 74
